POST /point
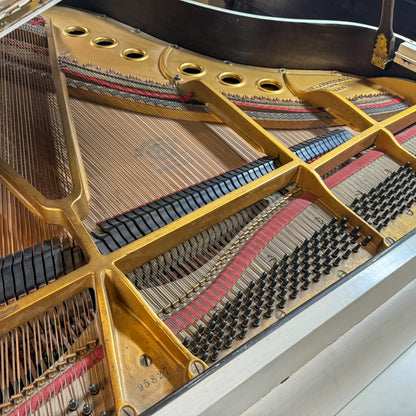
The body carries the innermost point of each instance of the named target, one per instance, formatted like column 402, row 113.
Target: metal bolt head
column 408, row 212
column 145, row 361
column 94, row 389
column 103, row 413
column 87, row 409
column 72, row 405
column 196, row 368
column 341, row 273
column 134, row 30
column 389, row 240
column 177, row 78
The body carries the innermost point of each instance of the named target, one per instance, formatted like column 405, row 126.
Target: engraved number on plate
column 155, row 378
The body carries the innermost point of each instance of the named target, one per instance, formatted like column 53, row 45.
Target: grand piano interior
column 204, row 210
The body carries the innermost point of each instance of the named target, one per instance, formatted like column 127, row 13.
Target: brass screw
column 389, row 240
column 341, row 273
column 126, row 411
column 196, row 368
column 145, row 360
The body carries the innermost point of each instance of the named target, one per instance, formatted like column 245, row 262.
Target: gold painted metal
column 402, row 87
column 335, row 105
column 129, row 328
column 231, row 115
column 165, row 61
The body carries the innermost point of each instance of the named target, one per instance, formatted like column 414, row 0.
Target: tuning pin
column 206, row 346
column 356, row 248
column 212, row 325
column 220, row 333
column 222, row 324
column 366, row 240
column 261, row 292
column 218, row 345
column 294, row 293
column 186, row 341
column 336, row 262
column 245, row 322
column 228, row 342
column 256, row 322
column 306, row 284
column 282, row 303
column 346, row 254
column 201, row 329
column 243, row 333
column 269, row 312
column 232, row 332
column 236, row 312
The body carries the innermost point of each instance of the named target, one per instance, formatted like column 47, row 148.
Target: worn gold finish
column 128, row 328
column 163, row 62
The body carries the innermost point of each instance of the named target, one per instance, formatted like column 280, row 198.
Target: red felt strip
column 58, row 384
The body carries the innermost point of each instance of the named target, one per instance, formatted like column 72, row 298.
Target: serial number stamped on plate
column 148, row 383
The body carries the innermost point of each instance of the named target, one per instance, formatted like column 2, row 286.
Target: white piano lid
column 14, row 13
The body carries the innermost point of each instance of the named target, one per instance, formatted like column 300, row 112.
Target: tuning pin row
column 388, row 199
column 295, row 272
